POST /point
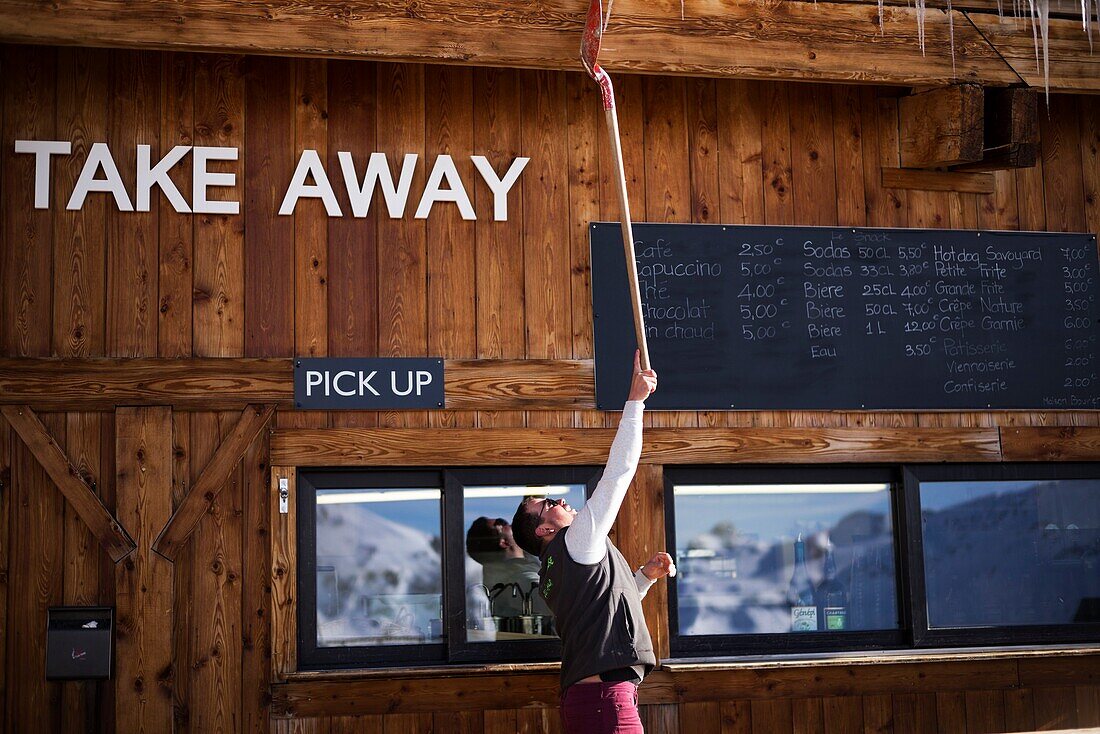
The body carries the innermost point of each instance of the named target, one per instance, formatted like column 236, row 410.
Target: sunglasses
column 550, row 502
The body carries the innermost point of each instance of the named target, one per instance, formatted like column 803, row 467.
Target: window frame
column 311, row 656
column 785, row 642
column 1001, row 635
column 454, row 648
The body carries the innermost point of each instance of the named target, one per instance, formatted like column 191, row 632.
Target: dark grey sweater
column 598, row 612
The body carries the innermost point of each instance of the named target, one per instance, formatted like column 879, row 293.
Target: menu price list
column 750, row 317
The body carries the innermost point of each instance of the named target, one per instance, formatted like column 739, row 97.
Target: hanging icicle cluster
column 1038, row 12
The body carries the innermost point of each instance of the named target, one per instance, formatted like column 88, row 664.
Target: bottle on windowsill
column 800, row 594
column 832, row 598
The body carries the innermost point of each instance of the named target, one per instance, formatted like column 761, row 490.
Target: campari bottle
column 832, row 598
column 800, row 594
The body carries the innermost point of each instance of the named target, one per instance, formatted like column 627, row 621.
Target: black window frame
column 455, row 648
column 913, row 632
column 785, row 642
column 998, row 635
column 310, row 655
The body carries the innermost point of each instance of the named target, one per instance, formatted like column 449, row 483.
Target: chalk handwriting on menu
column 812, row 317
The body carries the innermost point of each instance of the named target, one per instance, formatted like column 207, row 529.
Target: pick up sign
column 396, row 383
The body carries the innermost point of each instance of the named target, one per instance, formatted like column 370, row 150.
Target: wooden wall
column 98, row 282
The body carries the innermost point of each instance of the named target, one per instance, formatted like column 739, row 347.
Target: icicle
column 682, row 8
column 1034, row 34
column 881, row 27
column 951, row 31
column 920, row 24
column 1044, row 29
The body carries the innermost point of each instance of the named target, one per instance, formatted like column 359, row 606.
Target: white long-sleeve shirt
column 586, row 541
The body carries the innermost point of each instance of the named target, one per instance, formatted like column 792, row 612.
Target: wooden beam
column 1011, row 130
column 915, row 178
column 744, row 38
column 942, row 127
column 1051, row 443
column 144, row 687
column 465, row 690
column 578, row 446
column 80, row 496
column 214, row 476
column 1073, row 65
column 232, row 383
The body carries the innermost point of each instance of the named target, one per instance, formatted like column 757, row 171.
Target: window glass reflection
column 1011, row 552
column 379, row 579
column 784, row 558
column 502, row 598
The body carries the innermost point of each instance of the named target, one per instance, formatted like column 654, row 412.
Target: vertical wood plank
column 843, row 714
column 951, row 711
column 779, row 199
column 702, row 124
column 736, row 717
column 284, row 589
column 133, row 259
column 1088, row 706
column 501, row 721
column 176, row 229
column 740, row 145
column 848, row 133
column 499, row 247
column 215, row 620
column 668, row 171
column 885, row 207
column 700, row 718
column 36, row 573
column 1063, row 180
column 84, row 560
column 218, row 301
column 452, row 298
column 143, row 636
column 402, row 245
column 79, row 273
column 661, row 717
column 878, row 714
column 256, row 588
column 1090, row 160
column 27, row 255
column 184, row 571
column 639, row 533
column 459, row 722
column 772, row 716
column 546, row 255
column 310, row 215
column 1019, row 710
column 915, row 713
column 807, row 716
column 353, row 241
column 407, row 724
column 584, row 126
column 985, row 711
column 1055, row 708
column 7, row 496
column 813, row 176
column 355, row 725
column 269, row 102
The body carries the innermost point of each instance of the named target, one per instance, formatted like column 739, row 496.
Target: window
column 824, row 558
column 1006, row 553
column 419, row 567
column 782, row 560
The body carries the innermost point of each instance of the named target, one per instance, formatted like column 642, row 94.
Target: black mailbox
column 79, row 643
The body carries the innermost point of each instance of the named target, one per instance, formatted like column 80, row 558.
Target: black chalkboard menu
column 834, row 318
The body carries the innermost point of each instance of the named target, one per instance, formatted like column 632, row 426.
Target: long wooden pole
column 590, row 50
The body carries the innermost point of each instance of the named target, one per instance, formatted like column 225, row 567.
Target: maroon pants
column 601, row 708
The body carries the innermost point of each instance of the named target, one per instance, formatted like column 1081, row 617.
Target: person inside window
column 508, row 573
